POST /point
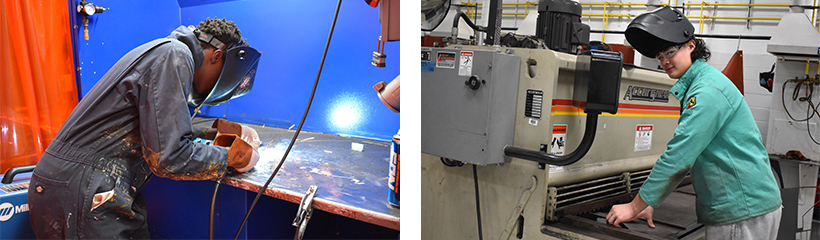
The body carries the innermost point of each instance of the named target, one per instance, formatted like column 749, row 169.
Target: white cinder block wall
column 755, row 60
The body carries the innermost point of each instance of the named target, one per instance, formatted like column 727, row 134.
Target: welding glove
column 244, row 132
column 241, row 155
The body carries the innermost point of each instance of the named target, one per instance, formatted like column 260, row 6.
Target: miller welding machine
column 14, row 214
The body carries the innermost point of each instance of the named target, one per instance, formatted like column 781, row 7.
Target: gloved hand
column 244, row 132
column 241, row 155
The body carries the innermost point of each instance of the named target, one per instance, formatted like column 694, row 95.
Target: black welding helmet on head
column 237, row 74
column 657, row 30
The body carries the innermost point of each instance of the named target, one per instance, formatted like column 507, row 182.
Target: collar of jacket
column 680, row 87
column 186, row 36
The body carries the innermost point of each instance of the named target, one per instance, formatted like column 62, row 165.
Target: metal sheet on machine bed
column 674, row 219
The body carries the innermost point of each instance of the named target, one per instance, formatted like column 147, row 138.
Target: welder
column 716, row 141
column 135, row 123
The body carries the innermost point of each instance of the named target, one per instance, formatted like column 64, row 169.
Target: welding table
column 351, row 183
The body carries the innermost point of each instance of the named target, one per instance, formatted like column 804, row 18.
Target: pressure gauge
column 89, row 9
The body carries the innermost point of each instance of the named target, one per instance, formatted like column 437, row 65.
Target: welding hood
column 654, row 31
column 237, row 74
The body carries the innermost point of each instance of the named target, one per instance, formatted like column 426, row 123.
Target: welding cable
column 477, row 203
column 808, row 125
column 218, row 181
column 811, row 109
column 794, row 97
column 213, row 204
column 301, row 123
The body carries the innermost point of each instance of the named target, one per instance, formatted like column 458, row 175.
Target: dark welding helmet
column 237, row 74
column 657, row 30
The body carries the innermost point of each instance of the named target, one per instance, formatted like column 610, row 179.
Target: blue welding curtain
column 291, row 36
column 37, row 80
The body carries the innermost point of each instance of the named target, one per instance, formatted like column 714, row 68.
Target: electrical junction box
column 469, row 103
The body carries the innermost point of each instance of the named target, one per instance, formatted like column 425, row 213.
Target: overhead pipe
column 506, row 13
column 747, row 37
column 605, row 24
column 739, row 4
column 503, row 4
column 613, row 4
column 739, row 18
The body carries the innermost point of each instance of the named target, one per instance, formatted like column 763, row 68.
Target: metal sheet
column 351, row 183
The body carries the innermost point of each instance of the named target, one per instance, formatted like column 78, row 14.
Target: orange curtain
column 37, row 82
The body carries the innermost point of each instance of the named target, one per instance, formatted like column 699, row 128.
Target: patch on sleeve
column 690, row 103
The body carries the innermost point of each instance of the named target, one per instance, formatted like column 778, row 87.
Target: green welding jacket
column 718, row 143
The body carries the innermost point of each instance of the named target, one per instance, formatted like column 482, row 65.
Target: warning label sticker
column 559, row 139
column 465, row 64
column 446, row 60
column 643, row 138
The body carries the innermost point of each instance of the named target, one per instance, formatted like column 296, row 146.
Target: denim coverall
column 134, row 122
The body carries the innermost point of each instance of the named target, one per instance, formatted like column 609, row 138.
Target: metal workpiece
column 351, row 182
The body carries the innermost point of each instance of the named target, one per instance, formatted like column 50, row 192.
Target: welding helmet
column 237, row 74
column 657, row 30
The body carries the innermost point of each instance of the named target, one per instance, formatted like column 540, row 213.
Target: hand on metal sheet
column 646, row 214
column 620, row 214
column 246, row 133
column 241, row 155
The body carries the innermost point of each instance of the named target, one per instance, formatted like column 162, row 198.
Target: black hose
column 213, row 204
column 301, row 123
column 783, row 100
column 466, row 18
column 541, row 157
column 811, row 110
column 451, row 163
column 477, row 204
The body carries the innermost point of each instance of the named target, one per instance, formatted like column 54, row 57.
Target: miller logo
column 646, row 94
column 7, row 210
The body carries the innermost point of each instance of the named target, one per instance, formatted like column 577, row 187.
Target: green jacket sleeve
column 703, row 115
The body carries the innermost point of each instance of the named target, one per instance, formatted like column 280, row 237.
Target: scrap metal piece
column 305, row 212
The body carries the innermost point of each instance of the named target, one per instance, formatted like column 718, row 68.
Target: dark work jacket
column 135, row 121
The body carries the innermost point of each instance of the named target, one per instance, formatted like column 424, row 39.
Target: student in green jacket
column 717, row 141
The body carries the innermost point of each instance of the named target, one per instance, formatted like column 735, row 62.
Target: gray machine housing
column 469, row 104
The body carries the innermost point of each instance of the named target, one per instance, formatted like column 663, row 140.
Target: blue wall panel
column 113, row 33
column 291, row 36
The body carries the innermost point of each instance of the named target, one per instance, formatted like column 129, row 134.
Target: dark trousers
column 60, row 198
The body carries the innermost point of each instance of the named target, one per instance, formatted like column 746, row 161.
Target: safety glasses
column 668, row 53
